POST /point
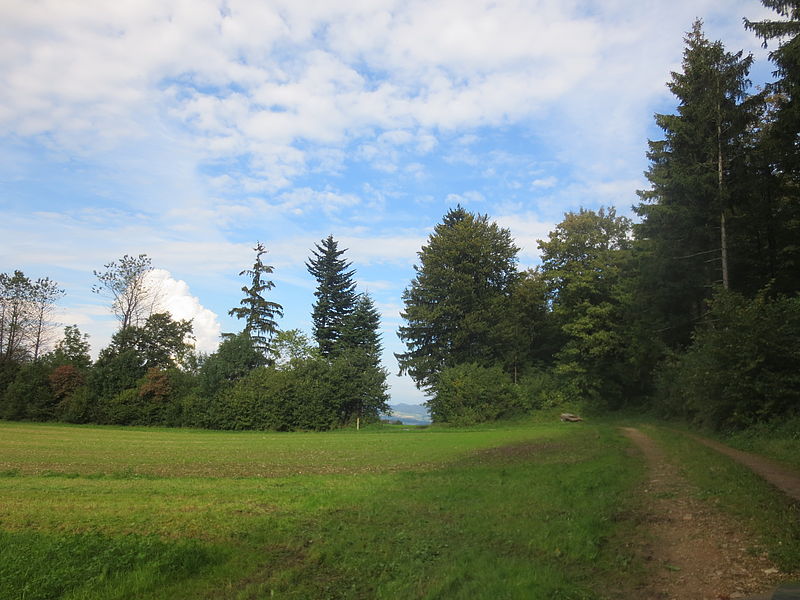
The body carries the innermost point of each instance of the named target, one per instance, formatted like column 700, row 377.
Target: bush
column 741, row 368
column 469, row 393
column 29, row 396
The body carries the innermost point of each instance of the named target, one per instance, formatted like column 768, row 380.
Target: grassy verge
column 515, row 511
column 771, row 516
column 779, row 440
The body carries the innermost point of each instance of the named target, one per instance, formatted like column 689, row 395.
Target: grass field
column 523, row 510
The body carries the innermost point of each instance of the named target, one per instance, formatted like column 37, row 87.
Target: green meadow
column 524, row 510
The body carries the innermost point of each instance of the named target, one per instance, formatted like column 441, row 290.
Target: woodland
column 689, row 310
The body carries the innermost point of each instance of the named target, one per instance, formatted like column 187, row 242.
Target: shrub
column 469, row 393
column 741, row 367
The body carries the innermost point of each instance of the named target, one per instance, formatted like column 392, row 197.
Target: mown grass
column 516, row 511
column 762, row 510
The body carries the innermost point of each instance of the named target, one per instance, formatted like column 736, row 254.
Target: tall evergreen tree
column 335, row 293
column 773, row 221
column 786, row 57
column 458, row 297
column 258, row 312
column 693, row 173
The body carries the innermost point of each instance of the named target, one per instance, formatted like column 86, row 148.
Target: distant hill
column 410, row 414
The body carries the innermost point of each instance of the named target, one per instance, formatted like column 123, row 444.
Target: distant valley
column 410, row 414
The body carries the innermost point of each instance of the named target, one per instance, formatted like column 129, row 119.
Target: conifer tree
column 335, row 293
column 695, row 183
column 458, row 297
column 258, row 312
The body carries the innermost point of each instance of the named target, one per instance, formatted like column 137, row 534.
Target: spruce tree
column 258, row 312
column 335, row 293
column 696, row 183
column 457, row 300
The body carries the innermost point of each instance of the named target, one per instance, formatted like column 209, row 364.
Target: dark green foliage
column 259, row 314
column 459, row 295
column 786, row 57
column 697, row 180
column 741, row 368
column 314, row 393
column 470, row 393
column 114, row 372
column 155, row 400
column 29, row 395
column 535, row 335
column 233, row 360
column 78, row 407
column 335, row 294
column 160, row 342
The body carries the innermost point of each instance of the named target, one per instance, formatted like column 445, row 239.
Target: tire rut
column 692, row 550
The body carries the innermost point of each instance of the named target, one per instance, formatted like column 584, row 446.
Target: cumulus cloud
column 175, row 297
column 260, row 80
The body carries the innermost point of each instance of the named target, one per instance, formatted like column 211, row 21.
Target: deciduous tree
column 125, row 283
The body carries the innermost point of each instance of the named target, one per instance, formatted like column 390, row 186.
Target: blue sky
column 188, row 130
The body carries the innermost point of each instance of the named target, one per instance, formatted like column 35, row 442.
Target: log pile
column 570, row 418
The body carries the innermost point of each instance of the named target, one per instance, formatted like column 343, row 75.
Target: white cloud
column 470, row 197
column 544, row 182
column 526, row 229
column 260, row 80
column 175, row 297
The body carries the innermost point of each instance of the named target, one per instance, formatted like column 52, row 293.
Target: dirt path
column 781, row 477
column 695, row 552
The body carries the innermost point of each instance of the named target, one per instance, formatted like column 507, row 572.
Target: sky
column 190, row 130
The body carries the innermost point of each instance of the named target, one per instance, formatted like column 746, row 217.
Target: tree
column 696, row 182
column 235, row 357
column 360, row 358
column 772, row 222
column 160, row 342
column 583, row 263
column 459, row 295
column 45, row 294
column 25, row 310
column 335, row 294
column 72, row 349
column 259, row 314
column 787, row 88
column 16, row 293
column 133, row 297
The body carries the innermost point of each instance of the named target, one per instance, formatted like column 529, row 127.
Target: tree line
column 149, row 374
column 692, row 310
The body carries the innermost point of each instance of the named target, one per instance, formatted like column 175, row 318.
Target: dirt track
column 784, row 479
column 695, row 551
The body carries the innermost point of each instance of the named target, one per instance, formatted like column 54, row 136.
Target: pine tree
column 773, row 220
column 335, row 293
column 359, row 353
column 695, row 184
column 259, row 313
column 787, row 88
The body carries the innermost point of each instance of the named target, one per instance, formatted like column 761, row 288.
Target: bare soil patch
column 695, row 552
